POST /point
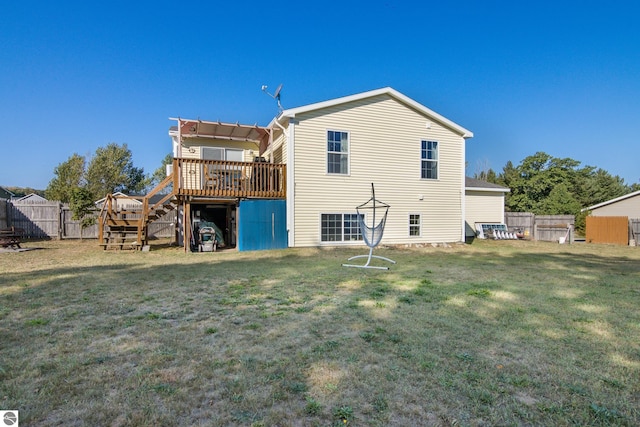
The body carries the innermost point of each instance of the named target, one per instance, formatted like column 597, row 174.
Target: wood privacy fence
column 39, row 220
column 3, row 213
column 53, row 220
column 608, row 229
column 548, row 228
column 634, row 231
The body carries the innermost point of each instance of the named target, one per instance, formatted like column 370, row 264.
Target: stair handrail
column 144, row 218
column 164, row 183
column 102, row 216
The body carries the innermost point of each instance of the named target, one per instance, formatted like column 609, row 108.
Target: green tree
column 546, row 185
column 508, row 175
column 600, row 186
column 161, row 173
column 559, row 202
column 67, row 177
column 82, row 207
column 532, row 181
column 487, row 176
column 111, row 169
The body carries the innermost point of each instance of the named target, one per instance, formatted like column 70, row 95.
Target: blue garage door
column 262, row 224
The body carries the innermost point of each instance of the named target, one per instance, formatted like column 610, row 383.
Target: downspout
column 290, row 135
column 179, row 150
column 463, row 197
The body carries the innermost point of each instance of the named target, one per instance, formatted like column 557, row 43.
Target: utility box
column 262, row 224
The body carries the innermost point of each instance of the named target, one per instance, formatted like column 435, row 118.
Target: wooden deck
column 218, row 178
column 119, row 228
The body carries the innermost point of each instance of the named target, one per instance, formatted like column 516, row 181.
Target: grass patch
column 494, row 333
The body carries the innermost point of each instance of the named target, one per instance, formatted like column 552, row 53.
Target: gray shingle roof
column 476, row 183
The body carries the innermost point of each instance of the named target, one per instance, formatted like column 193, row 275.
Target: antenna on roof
column 276, row 94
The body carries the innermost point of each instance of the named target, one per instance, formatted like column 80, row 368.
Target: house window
column 339, row 228
column 414, row 225
column 429, row 160
column 337, row 152
column 215, row 153
column 212, row 153
column 234, row 155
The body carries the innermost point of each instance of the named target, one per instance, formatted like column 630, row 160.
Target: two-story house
column 297, row 181
column 334, row 150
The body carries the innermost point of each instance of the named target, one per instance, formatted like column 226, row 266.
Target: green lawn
column 493, row 333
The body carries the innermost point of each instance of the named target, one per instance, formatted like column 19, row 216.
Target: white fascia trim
column 488, row 190
column 292, row 112
column 608, row 202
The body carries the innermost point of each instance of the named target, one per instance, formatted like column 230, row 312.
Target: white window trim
column 224, row 152
column 338, row 242
column 409, row 225
column 421, row 159
column 326, row 153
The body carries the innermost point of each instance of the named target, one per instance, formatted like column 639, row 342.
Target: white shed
column 123, row 202
column 484, row 204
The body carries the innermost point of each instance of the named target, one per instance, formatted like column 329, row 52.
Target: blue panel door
column 262, row 224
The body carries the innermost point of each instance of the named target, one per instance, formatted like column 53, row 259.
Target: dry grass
column 494, row 333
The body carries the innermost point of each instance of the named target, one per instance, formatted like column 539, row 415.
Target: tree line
column 541, row 184
column 80, row 181
column 547, row 185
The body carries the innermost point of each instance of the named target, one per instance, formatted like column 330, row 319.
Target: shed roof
column 5, row 194
column 609, row 202
column 32, row 197
column 476, row 184
column 292, row 112
column 121, row 196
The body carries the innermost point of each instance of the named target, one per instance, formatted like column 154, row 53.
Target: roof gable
column 32, row 197
column 119, row 195
column 609, row 202
column 292, row 112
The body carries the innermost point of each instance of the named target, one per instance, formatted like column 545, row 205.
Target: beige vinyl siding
column 483, row 206
column 250, row 149
column 191, row 172
column 192, row 149
column 628, row 207
column 277, row 151
column 385, row 142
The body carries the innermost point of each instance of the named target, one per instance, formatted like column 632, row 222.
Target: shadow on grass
column 245, row 340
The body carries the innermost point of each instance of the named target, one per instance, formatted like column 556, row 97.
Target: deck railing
column 220, row 178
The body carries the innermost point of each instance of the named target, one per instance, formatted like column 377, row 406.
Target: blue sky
column 561, row 77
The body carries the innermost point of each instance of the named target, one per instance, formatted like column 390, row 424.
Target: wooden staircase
column 128, row 228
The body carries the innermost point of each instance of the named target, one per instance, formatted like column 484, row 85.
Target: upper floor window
column 338, row 152
column 429, row 160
